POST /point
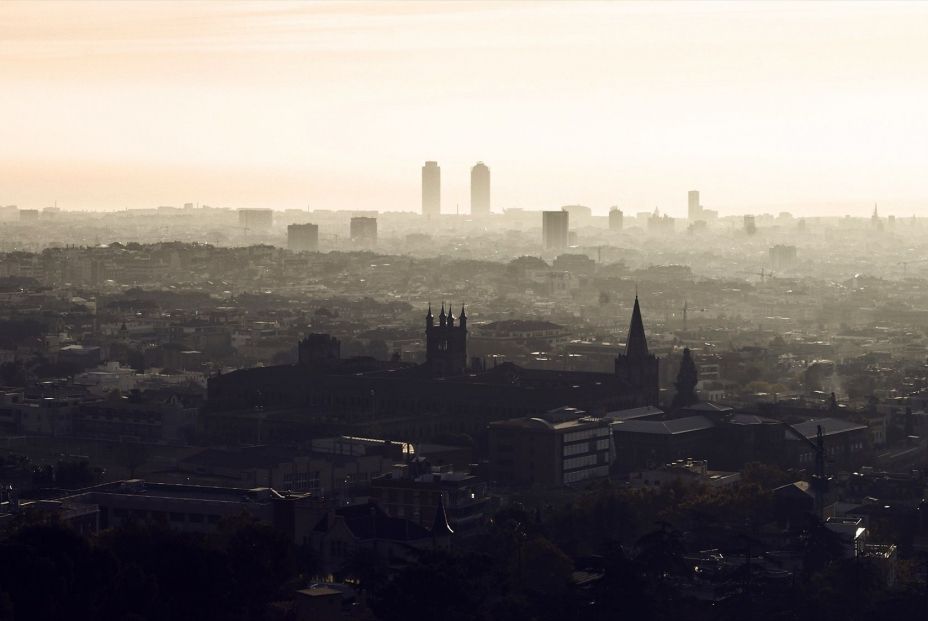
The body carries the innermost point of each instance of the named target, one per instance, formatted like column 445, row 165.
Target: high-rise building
column 694, row 209
column 615, row 219
column 479, row 190
column 431, row 189
column 750, row 225
column 363, row 230
column 303, row 237
column 554, row 229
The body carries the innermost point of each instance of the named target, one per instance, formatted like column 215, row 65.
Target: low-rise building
column 561, row 447
column 414, row 491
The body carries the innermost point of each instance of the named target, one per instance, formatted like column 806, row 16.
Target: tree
column 660, row 552
column 686, row 382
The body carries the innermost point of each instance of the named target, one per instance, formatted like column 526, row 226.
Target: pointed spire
column 429, row 318
column 440, row 526
column 462, row 315
column 450, row 315
column 442, row 316
column 636, row 346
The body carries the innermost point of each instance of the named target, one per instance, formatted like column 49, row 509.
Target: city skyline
column 816, row 109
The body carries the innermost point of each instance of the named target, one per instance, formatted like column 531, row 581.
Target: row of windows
column 588, row 473
column 576, row 449
column 164, row 516
column 580, row 462
column 586, row 434
column 809, row 456
column 586, row 447
column 302, row 481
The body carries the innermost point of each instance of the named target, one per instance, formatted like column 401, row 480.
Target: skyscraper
column 431, row 189
column 480, row 190
column 554, row 229
column 694, row 211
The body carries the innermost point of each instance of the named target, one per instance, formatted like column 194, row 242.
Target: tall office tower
column 363, row 230
column 303, row 237
column 694, row 211
column 431, row 189
column 615, row 219
column 554, row 229
column 480, row 190
column 750, row 226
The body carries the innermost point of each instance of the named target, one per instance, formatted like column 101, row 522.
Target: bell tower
column 446, row 343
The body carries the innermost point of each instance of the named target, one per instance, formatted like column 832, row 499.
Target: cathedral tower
column 637, row 366
column 446, row 343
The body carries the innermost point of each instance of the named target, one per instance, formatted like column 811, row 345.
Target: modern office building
column 303, row 237
column 431, row 189
column 694, row 209
column 616, row 218
column 554, row 229
column 750, row 225
column 480, row 190
column 560, row 447
column 363, row 230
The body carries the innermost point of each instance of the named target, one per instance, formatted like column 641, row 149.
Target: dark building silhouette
column 637, row 366
column 318, row 350
column 324, row 393
column 446, row 343
column 303, row 237
column 363, row 229
column 687, row 378
column 431, row 189
column 480, row 190
column 555, row 226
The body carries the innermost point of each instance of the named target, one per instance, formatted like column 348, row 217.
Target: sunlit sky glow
column 812, row 107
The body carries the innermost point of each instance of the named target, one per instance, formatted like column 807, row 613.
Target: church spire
column 636, row 346
column 440, row 526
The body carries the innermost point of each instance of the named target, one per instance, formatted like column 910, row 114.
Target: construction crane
column 819, row 482
column 763, row 273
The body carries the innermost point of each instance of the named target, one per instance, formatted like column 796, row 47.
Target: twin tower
column 479, row 189
column 637, row 369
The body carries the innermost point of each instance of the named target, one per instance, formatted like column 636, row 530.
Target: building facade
column 480, row 190
column 555, row 227
column 431, row 189
column 303, row 237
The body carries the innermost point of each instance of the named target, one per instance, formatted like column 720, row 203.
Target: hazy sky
column 758, row 105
